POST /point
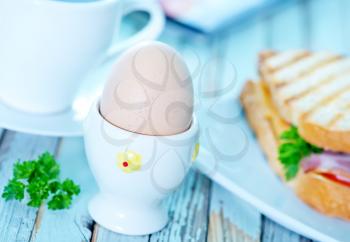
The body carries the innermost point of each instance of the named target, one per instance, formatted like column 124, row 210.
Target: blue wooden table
column 200, row 210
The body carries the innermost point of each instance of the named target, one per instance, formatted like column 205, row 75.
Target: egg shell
column 149, row 91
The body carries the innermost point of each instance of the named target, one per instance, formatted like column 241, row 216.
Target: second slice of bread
column 311, row 90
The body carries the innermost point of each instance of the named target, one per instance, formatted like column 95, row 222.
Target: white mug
column 47, row 46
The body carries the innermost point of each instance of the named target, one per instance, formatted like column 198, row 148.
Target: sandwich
column 300, row 113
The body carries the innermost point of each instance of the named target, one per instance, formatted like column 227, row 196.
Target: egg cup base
column 125, row 219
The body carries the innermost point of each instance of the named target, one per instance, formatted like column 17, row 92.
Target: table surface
column 200, row 210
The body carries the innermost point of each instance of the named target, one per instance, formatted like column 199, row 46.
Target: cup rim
column 191, row 131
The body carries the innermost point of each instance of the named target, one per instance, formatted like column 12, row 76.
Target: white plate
column 60, row 124
column 241, row 167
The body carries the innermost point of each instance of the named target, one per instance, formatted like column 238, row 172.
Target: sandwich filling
column 333, row 166
column 295, row 153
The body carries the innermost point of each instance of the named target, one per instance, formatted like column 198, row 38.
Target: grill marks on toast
column 311, row 101
column 334, row 109
column 311, row 86
column 302, row 67
column 284, row 59
column 314, row 80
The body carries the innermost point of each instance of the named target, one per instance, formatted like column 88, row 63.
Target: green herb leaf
column 23, row 170
column 60, row 201
column 54, row 186
column 292, row 150
column 39, row 179
column 47, row 167
column 14, row 190
column 70, row 187
column 38, row 191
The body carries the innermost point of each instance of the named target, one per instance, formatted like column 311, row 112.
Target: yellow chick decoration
column 195, row 152
column 129, row 161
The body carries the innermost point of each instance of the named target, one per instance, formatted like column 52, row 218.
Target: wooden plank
column 288, row 28
column 188, row 211
column 16, row 219
column 272, row 232
column 73, row 224
column 103, row 235
column 232, row 219
column 2, row 135
column 326, row 25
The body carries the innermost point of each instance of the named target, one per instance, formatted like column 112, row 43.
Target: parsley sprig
column 292, row 150
column 40, row 180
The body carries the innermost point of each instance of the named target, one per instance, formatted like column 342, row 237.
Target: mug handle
column 151, row 31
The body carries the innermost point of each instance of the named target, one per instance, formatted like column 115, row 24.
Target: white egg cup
column 134, row 173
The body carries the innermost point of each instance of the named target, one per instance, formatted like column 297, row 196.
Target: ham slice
column 334, row 166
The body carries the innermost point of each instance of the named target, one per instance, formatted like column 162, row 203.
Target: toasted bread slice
column 312, row 92
column 263, row 118
column 326, row 196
